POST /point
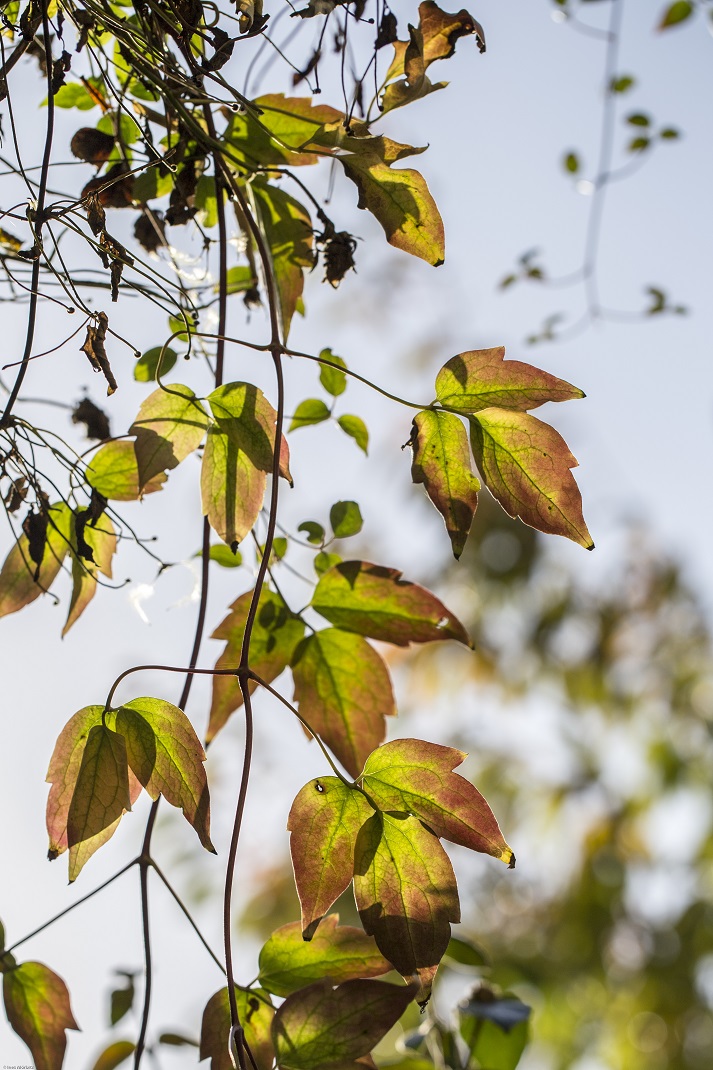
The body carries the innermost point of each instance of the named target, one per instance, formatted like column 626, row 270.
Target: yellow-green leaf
column 441, row 461
column 321, row 1026
column 275, row 635
column 101, row 793
column 406, row 893
column 114, row 1055
column 101, row 539
column 414, row 776
column 256, row 1014
column 148, row 363
column 324, row 822
column 343, row 690
column 339, row 952
column 677, row 12
column 113, row 471
column 18, row 586
column 169, row 426
column 482, row 378
column 166, row 756
column 526, row 465
column 37, row 1008
column 288, row 229
column 375, row 601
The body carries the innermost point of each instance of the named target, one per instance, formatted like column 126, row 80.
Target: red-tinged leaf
column 113, row 471
column 37, row 1008
column 343, row 691
column 338, row 952
column 415, row 776
column 275, row 635
column 102, row 542
column 170, row 425
column 526, row 464
column 166, row 756
column 114, row 1055
column 482, row 379
column 237, row 458
column 324, row 820
column 321, row 1026
column 101, row 793
column 290, row 237
column 406, row 893
column 441, row 461
column 401, row 202
column 375, row 601
column 256, row 1014
column 18, row 586
column 62, row 774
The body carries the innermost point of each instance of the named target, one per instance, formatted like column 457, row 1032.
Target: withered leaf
column 96, row 352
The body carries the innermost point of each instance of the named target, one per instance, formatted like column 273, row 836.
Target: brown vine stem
column 38, row 224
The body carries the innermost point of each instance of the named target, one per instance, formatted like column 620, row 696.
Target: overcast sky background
column 643, row 437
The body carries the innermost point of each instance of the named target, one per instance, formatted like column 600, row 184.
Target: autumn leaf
column 526, row 465
column 288, row 229
column 169, row 426
column 277, row 136
column 166, row 756
column 414, row 776
column 441, row 461
column 275, row 635
column 37, row 1008
column 18, row 586
column 237, row 459
column 113, row 471
column 324, row 821
column 321, row 1026
column 482, row 379
column 101, row 793
column 406, row 894
column 343, row 690
column 338, row 952
column 375, row 601
column 255, row 1012
column 101, row 540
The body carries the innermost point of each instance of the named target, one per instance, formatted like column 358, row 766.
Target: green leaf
column 406, row 894
column 37, row 1008
column 64, row 768
column 130, row 131
column 324, row 822
column 441, row 461
column 571, row 163
column 355, row 427
column 324, row 561
column 288, row 229
column 669, row 133
column 311, row 411
column 401, row 202
column 526, row 465
column 147, row 365
column 169, row 426
column 18, row 586
column 275, row 636
column 465, row 953
column 375, row 601
column 339, row 952
column 122, row 1000
column 343, row 690
column 206, row 201
column 277, row 135
column 101, row 794
column 177, row 1040
column 166, row 756
column 494, row 1029
column 256, row 1014
column 152, row 184
column 321, row 1026
column 101, row 539
column 74, row 95
column 414, row 776
column 224, row 556
column 114, row 1055
column 346, row 519
column 331, row 376
column 239, row 279
column 622, row 84
column 675, row 13
column 638, row 119
column 482, row 378
column 638, row 144
column 237, row 459
column 113, row 471
column 313, row 531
